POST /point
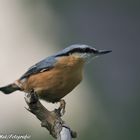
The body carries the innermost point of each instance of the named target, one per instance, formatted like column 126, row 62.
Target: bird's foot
column 62, row 106
column 31, row 97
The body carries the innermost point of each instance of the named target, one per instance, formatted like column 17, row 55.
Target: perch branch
column 51, row 120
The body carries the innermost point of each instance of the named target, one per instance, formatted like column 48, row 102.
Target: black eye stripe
column 78, row 50
column 82, row 50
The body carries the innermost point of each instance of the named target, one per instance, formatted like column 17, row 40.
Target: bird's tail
column 9, row 88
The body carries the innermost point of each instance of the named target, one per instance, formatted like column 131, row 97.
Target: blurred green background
column 105, row 106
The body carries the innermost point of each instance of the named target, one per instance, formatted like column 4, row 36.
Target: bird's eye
column 87, row 50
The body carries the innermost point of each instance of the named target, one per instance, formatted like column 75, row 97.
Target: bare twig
column 51, row 120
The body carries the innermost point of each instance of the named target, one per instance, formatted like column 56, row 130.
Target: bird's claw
column 31, row 97
column 62, row 107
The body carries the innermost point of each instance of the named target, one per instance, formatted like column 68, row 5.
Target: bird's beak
column 101, row 52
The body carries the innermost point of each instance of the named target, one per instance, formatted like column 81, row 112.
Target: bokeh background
column 105, row 106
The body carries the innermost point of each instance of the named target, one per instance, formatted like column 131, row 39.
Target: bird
column 55, row 76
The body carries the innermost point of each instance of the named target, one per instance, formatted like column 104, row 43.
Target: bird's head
column 84, row 52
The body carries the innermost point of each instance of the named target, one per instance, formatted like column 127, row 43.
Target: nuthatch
column 57, row 75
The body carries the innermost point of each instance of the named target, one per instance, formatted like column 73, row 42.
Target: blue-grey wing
column 41, row 66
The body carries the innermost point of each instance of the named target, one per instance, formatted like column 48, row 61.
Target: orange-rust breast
column 54, row 84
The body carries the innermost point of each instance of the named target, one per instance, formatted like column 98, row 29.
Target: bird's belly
column 53, row 85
